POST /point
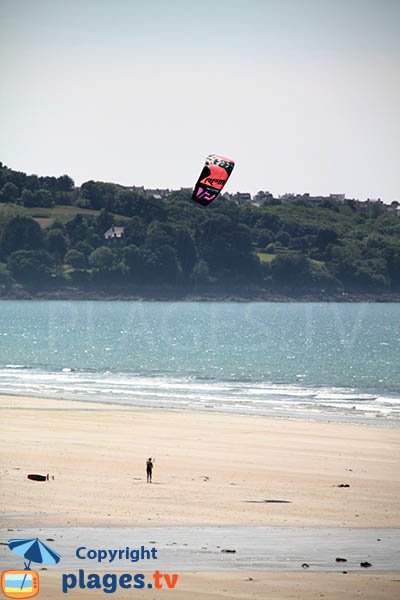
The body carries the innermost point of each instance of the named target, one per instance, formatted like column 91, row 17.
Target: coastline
column 304, row 416
column 177, row 295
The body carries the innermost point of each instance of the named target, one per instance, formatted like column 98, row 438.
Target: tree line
column 174, row 243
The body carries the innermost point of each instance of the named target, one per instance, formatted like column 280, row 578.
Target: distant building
column 138, row 188
column 394, row 208
column 287, row 198
column 361, row 207
column 227, row 196
column 376, row 204
column 337, row 197
column 114, row 233
column 241, row 197
column 157, row 193
column 309, row 200
column 316, row 200
column 263, row 198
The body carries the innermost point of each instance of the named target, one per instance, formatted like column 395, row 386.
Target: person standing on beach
column 149, row 470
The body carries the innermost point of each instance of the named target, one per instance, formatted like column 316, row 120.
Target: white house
column 114, row 233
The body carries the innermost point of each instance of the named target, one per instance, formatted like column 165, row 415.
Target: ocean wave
column 254, row 397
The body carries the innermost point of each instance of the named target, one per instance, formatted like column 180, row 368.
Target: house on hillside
column 241, row 197
column 338, row 198
column 394, row 208
column 139, row 189
column 157, row 193
column 114, row 233
column 263, row 198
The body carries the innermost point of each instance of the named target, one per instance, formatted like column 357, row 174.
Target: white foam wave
column 164, row 391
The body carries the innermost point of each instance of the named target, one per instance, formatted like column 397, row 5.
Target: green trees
column 77, row 229
column 135, row 262
column 291, row 272
column 294, row 273
column 5, row 278
column 9, row 193
column 56, row 243
column 135, row 232
column 42, row 198
column 102, row 259
column 226, row 247
column 325, row 237
column 64, row 183
column 355, row 271
column 76, row 259
column 21, row 233
column 393, row 267
column 186, row 250
column 95, row 194
column 30, row 266
column 104, row 221
column 56, row 186
column 200, row 275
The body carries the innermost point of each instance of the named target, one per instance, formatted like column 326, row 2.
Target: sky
column 304, row 95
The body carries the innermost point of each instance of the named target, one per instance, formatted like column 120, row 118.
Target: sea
column 318, row 361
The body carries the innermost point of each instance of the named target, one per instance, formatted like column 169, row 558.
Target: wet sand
column 228, row 548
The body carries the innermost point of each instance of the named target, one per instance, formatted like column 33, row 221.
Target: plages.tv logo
column 25, row 583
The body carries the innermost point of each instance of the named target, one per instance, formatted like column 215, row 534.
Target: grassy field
column 318, row 266
column 265, row 257
column 46, row 216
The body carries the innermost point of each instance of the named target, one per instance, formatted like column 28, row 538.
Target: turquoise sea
column 312, row 360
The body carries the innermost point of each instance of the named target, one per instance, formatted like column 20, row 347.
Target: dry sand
column 209, row 469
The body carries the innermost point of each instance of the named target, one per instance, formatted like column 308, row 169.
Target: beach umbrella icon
column 33, row 550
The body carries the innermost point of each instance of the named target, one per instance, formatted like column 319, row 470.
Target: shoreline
column 171, row 295
column 121, row 405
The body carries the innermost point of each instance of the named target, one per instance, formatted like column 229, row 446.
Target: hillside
column 53, row 244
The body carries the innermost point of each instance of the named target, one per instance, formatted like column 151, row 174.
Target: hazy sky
column 303, row 94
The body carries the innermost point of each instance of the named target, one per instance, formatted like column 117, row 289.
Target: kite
column 213, row 177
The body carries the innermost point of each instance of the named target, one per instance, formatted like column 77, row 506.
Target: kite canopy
column 213, row 177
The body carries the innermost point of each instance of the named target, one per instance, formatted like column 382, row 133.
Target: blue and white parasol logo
column 25, row 584
column 34, row 550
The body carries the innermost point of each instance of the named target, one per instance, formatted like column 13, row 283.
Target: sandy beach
column 210, row 469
